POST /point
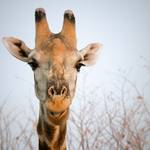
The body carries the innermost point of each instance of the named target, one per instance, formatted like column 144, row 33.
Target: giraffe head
column 55, row 61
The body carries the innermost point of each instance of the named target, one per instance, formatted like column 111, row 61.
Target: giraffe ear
column 90, row 53
column 17, row 48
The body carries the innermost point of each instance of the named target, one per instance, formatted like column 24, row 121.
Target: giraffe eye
column 78, row 66
column 33, row 64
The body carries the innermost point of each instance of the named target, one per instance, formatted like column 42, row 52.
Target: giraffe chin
column 57, row 118
column 57, row 106
column 56, row 114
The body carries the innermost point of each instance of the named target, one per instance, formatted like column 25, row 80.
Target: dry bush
column 122, row 124
column 116, row 128
column 16, row 132
column 112, row 120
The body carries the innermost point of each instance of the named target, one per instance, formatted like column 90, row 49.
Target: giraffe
column 55, row 62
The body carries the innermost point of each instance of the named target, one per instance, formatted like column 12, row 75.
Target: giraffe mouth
column 57, row 107
column 55, row 114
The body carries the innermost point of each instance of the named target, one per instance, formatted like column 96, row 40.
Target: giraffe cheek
column 40, row 90
column 72, row 88
column 40, row 95
column 40, row 85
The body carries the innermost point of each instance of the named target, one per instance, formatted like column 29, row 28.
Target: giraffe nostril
column 51, row 91
column 58, row 89
column 64, row 91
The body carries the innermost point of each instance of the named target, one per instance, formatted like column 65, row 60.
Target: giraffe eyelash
column 34, row 65
column 78, row 66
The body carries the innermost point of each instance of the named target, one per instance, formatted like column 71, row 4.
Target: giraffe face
column 55, row 61
column 55, row 71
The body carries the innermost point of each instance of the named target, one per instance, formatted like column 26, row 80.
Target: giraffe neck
column 52, row 131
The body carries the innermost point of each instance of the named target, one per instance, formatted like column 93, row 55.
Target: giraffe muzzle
column 58, row 97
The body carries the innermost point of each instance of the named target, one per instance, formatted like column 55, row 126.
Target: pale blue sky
column 122, row 26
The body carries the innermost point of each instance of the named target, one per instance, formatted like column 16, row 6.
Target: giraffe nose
column 53, row 91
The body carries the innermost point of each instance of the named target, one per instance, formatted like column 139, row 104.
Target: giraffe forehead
column 55, row 49
column 60, row 48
